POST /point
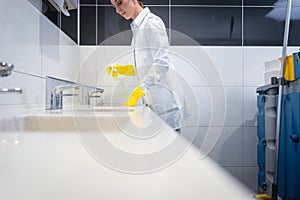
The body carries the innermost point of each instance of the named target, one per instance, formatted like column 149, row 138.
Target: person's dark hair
column 140, row 2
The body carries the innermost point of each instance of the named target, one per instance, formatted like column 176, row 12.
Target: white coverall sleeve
column 157, row 47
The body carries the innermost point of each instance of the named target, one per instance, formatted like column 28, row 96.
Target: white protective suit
column 155, row 71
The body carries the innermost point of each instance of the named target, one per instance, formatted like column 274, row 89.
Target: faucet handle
column 96, row 90
column 89, row 92
column 93, row 94
column 58, row 90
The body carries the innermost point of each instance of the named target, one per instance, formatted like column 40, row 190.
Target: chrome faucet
column 89, row 92
column 6, row 69
column 55, row 92
column 58, row 94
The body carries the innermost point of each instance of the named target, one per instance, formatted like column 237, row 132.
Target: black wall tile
column 88, row 25
column 294, row 35
column 259, row 2
column 69, row 25
column 115, row 30
column 50, row 12
column 206, row 2
column 208, row 26
column 146, row 2
column 162, row 12
column 103, row 2
column 86, row 2
column 260, row 30
column 156, row 2
column 220, row 24
column 112, row 28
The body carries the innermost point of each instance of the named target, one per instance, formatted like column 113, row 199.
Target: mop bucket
column 292, row 67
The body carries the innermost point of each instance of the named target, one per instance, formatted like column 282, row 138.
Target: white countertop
column 79, row 165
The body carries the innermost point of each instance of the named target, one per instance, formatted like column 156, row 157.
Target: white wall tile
column 88, row 65
column 204, row 71
column 20, row 36
column 236, row 172
column 60, row 55
column 250, row 146
column 228, row 62
column 215, row 106
column 250, row 178
column 228, row 149
column 254, row 59
column 37, row 4
column 191, row 75
column 234, row 106
column 246, row 175
column 199, row 105
column 249, row 106
column 209, row 66
column 223, row 145
column 43, row 92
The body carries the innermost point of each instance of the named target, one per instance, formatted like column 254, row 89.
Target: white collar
column 139, row 19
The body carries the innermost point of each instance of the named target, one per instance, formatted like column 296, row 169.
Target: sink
column 139, row 120
column 121, row 127
column 69, row 123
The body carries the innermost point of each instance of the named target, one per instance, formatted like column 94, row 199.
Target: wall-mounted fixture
column 16, row 90
column 55, row 92
column 6, row 69
column 64, row 5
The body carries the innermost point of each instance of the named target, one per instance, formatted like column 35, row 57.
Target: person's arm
column 158, row 45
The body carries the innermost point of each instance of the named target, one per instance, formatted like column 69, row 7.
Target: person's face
column 126, row 8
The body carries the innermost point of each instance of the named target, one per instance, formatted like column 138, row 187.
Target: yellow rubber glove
column 115, row 69
column 134, row 97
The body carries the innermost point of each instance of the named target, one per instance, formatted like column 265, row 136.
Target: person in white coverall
column 153, row 66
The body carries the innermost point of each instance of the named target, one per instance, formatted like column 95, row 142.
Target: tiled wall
column 210, row 23
column 240, row 69
column 36, row 47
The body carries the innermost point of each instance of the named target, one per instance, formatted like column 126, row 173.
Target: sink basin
column 104, row 119
column 69, row 123
column 120, row 127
